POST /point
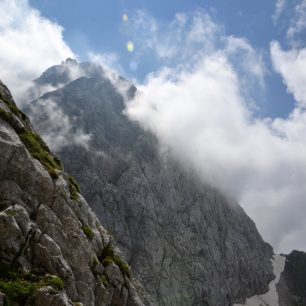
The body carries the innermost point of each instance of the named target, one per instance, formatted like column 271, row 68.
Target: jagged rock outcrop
column 292, row 285
column 271, row 297
column 187, row 242
column 53, row 249
column 289, row 285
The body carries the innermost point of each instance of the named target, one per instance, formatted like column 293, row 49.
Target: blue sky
column 97, row 26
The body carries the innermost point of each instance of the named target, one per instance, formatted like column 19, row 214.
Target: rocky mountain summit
column 186, row 242
column 53, row 249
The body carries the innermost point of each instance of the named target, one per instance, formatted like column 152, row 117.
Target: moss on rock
column 20, row 287
column 34, row 144
column 88, row 232
column 13, row 107
column 108, row 256
column 73, row 187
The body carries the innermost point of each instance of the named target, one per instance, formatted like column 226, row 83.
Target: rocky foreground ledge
column 53, row 249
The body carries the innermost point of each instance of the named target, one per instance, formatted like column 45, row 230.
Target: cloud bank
column 292, row 66
column 56, row 128
column 29, row 44
column 201, row 111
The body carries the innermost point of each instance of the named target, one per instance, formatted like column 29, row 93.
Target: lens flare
column 125, row 18
column 130, row 46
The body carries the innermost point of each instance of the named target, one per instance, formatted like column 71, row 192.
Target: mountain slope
column 53, row 249
column 187, row 242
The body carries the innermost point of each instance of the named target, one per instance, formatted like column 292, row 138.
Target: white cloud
column 189, row 37
column 56, row 128
column 74, row 70
column 188, row 31
column 199, row 110
column 298, row 21
column 292, row 66
column 249, row 61
column 29, row 44
column 112, row 70
column 279, row 8
column 108, row 62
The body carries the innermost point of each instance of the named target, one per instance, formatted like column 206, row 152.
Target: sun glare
column 130, row 46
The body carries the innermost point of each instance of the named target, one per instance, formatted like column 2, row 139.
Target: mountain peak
column 69, row 70
column 70, row 61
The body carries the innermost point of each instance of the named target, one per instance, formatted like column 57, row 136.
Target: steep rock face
column 53, row 249
column 292, row 285
column 186, row 242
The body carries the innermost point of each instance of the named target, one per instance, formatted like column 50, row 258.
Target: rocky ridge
column 53, row 249
column 187, row 242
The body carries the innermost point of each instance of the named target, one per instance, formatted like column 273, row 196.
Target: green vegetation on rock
column 13, row 108
column 40, row 151
column 95, row 261
column 34, row 144
column 103, row 280
column 20, row 287
column 107, row 261
column 108, row 256
column 73, row 187
column 88, row 232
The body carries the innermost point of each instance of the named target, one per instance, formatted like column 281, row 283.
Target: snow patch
column 270, row 298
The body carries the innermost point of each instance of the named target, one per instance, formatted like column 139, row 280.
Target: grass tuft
column 108, row 256
column 88, row 232
column 39, row 151
column 20, row 287
column 107, row 261
column 104, row 280
column 73, row 187
column 14, row 109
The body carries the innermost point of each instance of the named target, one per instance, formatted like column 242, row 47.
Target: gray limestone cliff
column 53, row 249
column 186, row 242
column 292, row 285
